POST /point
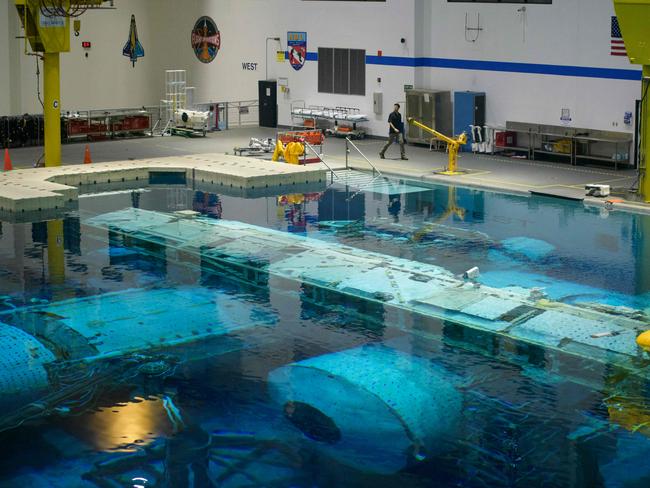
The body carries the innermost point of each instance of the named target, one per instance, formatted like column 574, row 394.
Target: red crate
column 127, row 123
column 140, row 122
column 98, row 127
column 506, row 139
column 78, row 127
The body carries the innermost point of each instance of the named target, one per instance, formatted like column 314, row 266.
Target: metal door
column 268, row 103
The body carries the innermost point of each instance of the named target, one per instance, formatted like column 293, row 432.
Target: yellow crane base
column 450, row 173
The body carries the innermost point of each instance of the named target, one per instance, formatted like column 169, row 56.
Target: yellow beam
column 430, row 130
column 644, row 165
column 634, row 19
column 49, row 34
column 52, row 109
column 46, row 33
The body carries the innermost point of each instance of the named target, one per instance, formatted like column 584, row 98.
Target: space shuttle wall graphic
column 133, row 49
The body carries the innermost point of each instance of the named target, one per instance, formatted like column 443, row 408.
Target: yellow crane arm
column 453, row 145
column 440, row 136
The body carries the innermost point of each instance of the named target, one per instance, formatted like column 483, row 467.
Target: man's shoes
column 381, row 156
column 404, row 158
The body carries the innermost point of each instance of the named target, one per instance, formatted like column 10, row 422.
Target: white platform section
column 49, row 188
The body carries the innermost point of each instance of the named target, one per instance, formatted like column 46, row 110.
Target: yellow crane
column 453, row 146
column 47, row 29
column 634, row 19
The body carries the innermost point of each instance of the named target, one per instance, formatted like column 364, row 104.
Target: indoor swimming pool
column 165, row 336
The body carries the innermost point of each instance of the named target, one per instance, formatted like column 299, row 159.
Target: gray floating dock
column 417, row 287
column 40, row 189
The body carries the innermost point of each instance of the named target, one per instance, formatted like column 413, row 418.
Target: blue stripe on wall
column 391, row 61
column 540, row 69
column 500, row 66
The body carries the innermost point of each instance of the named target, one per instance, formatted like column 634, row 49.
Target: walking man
column 395, row 132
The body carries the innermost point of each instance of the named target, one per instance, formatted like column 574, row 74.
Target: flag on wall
column 617, row 44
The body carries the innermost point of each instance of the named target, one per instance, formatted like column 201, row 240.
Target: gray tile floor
column 484, row 170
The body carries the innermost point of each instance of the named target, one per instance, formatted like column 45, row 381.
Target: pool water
column 173, row 372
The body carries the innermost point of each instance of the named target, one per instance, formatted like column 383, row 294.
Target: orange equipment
column 87, row 158
column 313, row 137
column 8, row 165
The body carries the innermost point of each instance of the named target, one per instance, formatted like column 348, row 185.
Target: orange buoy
column 87, row 158
column 8, row 166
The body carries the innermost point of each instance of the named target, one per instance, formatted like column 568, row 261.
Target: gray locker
column 430, row 107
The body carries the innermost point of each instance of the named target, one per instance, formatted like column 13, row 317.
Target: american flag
column 618, row 46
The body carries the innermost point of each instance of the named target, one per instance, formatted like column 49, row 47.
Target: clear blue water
column 205, row 405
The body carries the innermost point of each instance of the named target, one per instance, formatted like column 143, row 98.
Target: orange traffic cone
column 87, row 158
column 8, row 165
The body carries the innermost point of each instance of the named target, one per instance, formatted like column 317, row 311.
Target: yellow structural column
column 52, row 109
column 644, row 145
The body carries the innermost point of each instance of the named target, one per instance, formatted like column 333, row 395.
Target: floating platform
column 520, row 314
column 41, row 189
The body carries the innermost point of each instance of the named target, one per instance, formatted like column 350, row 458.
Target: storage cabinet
column 469, row 110
column 431, row 108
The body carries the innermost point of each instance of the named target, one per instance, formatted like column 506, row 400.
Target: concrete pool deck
column 485, row 171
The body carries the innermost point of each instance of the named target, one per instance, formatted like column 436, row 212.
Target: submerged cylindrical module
column 22, row 367
column 372, row 407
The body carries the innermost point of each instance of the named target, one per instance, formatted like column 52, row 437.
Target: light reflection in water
column 125, row 427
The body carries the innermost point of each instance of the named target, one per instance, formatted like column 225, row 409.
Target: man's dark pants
column 394, row 137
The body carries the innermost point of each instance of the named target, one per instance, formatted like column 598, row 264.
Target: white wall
column 245, row 25
column 568, row 32
column 5, row 92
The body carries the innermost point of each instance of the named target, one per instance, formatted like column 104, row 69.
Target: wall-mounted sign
column 206, row 39
column 133, row 49
column 51, row 20
column 627, row 118
column 249, row 66
column 279, row 56
column 297, row 46
column 565, row 116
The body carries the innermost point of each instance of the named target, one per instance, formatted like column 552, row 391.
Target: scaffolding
column 175, row 95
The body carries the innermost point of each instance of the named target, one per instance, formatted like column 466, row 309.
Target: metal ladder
column 358, row 179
